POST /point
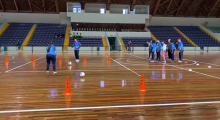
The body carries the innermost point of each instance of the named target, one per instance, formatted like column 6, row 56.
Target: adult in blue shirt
column 181, row 49
column 76, row 46
column 51, row 56
column 153, row 46
column 173, row 48
column 158, row 49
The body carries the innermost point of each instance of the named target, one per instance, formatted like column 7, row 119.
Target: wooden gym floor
column 110, row 91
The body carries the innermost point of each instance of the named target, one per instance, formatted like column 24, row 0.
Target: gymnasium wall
column 36, row 17
column 184, row 21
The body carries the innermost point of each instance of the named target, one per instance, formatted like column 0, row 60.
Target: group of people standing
column 170, row 48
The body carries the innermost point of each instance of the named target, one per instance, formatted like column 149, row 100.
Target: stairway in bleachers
column 198, row 36
column 45, row 33
column 163, row 33
column 15, row 32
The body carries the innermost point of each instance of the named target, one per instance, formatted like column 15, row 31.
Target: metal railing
column 4, row 48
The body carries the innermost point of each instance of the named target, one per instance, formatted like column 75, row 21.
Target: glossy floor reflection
column 27, row 87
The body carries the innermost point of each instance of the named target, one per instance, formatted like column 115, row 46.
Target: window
column 77, row 10
column 102, row 10
column 125, row 11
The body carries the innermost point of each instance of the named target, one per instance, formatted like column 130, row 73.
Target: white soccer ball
column 69, row 63
column 209, row 66
column 82, row 74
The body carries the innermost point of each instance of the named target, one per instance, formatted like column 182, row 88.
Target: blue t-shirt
column 52, row 50
column 180, row 46
column 76, row 45
column 153, row 47
column 173, row 46
column 159, row 46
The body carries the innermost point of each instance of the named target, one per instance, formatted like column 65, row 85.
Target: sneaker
column 54, row 72
column 179, row 61
column 152, row 61
column 47, row 72
column 163, row 61
column 148, row 58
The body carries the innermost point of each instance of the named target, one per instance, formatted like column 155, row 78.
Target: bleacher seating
column 198, row 36
column 46, row 33
column 214, row 29
column 88, row 41
column 163, row 33
column 136, row 41
column 15, row 32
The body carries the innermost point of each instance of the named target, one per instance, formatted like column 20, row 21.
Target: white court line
column 22, row 65
column 202, row 62
column 125, row 67
column 187, row 69
column 105, row 107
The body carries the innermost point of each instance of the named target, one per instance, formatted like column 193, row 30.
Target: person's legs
column 181, row 55
column 48, row 61
column 149, row 54
column 164, row 59
column 158, row 55
column 54, row 62
column 77, row 54
column 169, row 54
column 152, row 55
column 173, row 53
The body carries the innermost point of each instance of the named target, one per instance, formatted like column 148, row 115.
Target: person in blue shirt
column 181, row 49
column 153, row 46
column 158, row 49
column 173, row 48
column 51, row 56
column 76, row 46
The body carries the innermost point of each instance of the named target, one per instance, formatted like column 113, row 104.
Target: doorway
column 112, row 43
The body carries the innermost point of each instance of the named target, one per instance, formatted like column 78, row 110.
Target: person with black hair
column 77, row 46
column 169, row 49
column 51, row 56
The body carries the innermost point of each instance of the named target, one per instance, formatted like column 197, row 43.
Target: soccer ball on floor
column 82, row 74
column 69, row 63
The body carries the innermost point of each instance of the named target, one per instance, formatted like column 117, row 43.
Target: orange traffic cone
column 33, row 60
column 33, row 66
column 142, row 84
column 109, row 60
column 84, row 59
column 60, row 60
column 60, row 63
column 6, row 59
column 84, row 64
column 67, row 87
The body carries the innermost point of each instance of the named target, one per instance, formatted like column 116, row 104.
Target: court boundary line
column 22, row 65
column 125, row 67
column 106, row 107
column 183, row 68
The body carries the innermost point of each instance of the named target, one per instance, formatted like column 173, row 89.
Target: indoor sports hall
column 109, row 60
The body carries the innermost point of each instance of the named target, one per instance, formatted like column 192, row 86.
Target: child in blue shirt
column 181, row 49
column 153, row 49
column 158, row 48
column 76, row 46
column 51, row 56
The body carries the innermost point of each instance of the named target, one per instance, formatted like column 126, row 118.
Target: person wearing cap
column 181, row 49
column 51, row 56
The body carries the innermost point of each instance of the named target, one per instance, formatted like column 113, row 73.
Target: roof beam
column 199, row 10
column 180, row 7
column 36, row 7
column 168, row 7
column 108, row 5
column 3, row 8
column 213, row 7
column 218, row 13
column 16, row 6
column 187, row 11
column 132, row 5
column 29, row 2
column 57, row 6
column 43, row 2
column 164, row 2
column 51, row 7
column 156, row 7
